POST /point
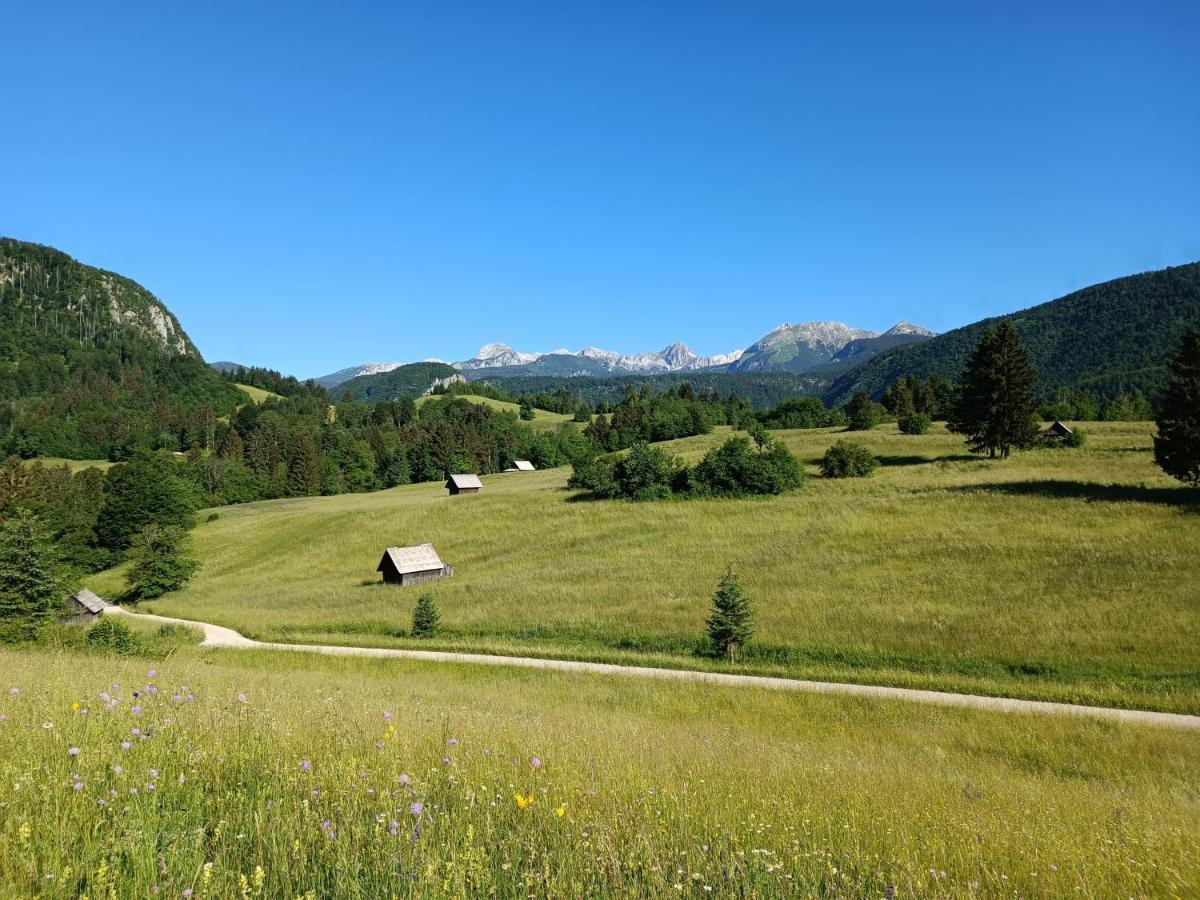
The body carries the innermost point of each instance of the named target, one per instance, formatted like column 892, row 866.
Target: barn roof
column 422, row 558
column 523, row 465
column 1058, row 428
column 466, row 481
column 90, row 601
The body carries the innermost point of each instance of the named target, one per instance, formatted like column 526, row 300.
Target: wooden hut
column 523, row 465
column 464, row 484
column 411, row 565
column 1057, row 431
column 85, row 607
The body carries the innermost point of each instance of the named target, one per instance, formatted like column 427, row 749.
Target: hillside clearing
column 542, row 419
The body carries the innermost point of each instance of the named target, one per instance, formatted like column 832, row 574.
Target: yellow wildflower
column 524, row 801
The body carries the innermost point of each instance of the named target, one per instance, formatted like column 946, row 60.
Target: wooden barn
column 464, row 484
column 412, row 565
column 1057, row 431
column 523, row 465
column 85, row 607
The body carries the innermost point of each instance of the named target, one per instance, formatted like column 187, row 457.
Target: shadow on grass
column 1183, row 497
column 924, row 460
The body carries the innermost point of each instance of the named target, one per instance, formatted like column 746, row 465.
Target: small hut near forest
column 411, row 565
column 464, row 484
column 523, row 465
column 85, row 607
column 1057, row 431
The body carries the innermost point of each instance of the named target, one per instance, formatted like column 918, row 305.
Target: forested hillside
column 404, row 381
column 1106, row 339
column 92, row 365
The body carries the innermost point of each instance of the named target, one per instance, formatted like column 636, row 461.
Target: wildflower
column 561, row 811
column 104, row 697
column 536, row 762
column 154, row 773
column 47, row 725
column 404, row 778
column 185, row 893
column 75, row 706
column 13, row 691
column 524, row 801
column 3, row 718
column 176, row 698
column 241, row 698
column 135, row 731
column 125, row 745
column 445, row 760
column 136, row 710
column 417, row 808
column 394, row 828
column 453, row 742
column 117, row 770
column 387, row 717
column 305, row 765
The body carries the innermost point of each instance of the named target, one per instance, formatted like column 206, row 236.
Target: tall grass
column 1064, row 574
column 241, row 774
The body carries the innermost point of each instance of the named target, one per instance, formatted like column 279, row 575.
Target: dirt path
column 219, row 636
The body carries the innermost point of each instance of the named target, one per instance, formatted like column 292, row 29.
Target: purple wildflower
column 136, row 710
column 305, row 765
column 185, row 893
column 13, row 691
column 117, row 770
column 152, row 673
column 536, row 762
column 135, row 731
column 453, row 742
column 404, row 778
column 125, row 745
column 74, row 751
column 417, row 808
column 387, row 717
column 241, row 698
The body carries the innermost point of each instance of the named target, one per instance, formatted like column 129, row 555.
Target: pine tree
column 425, row 617
column 995, row 409
column 1177, row 445
column 31, row 580
column 304, row 471
column 730, row 622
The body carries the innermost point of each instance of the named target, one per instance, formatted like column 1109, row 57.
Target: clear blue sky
column 311, row 185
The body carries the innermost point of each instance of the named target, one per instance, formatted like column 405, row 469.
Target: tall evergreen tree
column 32, row 584
column 304, row 471
column 995, row 409
column 730, row 624
column 1177, row 445
column 861, row 414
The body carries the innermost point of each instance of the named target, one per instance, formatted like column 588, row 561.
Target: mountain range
column 796, row 348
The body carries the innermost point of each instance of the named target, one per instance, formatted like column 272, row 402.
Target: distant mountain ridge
column 788, row 348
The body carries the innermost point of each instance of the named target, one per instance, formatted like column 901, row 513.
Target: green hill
column 92, row 364
column 412, row 380
column 1107, row 338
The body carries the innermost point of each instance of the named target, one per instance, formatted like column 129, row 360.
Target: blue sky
column 310, row 186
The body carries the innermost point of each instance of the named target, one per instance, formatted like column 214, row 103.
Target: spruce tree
column 425, row 617
column 730, row 622
column 304, row 470
column 995, row 408
column 1177, row 445
column 32, row 586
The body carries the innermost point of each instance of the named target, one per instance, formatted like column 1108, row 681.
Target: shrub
column 159, row 563
column 112, row 636
column 914, row 423
column 847, row 459
column 212, row 517
column 735, row 469
column 644, row 473
column 425, row 617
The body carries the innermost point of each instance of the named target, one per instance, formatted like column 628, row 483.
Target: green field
column 541, row 418
column 643, row 789
column 256, row 395
column 1059, row 574
column 75, row 465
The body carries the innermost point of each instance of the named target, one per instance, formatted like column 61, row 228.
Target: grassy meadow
column 234, row 773
column 1068, row 574
column 542, row 419
column 256, row 394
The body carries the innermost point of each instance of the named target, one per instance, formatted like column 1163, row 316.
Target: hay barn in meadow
column 523, row 465
column 464, row 484
column 1057, row 431
column 85, row 607
column 412, row 565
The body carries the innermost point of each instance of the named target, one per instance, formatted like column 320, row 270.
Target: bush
column 735, row 469
column 112, row 636
column 212, row 517
column 861, row 413
column 644, row 473
column 914, row 423
column 847, row 459
column 160, row 564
